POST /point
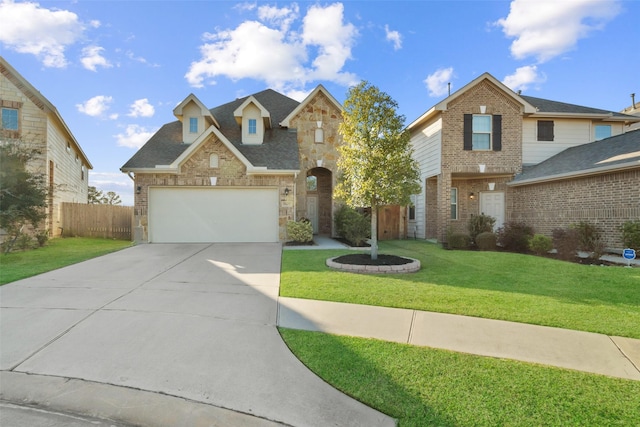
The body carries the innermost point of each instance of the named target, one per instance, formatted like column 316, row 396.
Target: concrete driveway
column 157, row 334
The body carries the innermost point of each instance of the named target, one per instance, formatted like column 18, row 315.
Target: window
column 545, row 130
column 454, row 203
column 9, row 119
column 412, row 209
column 312, row 183
column 482, row 132
column 68, row 147
column 252, row 127
column 213, row 161
column 603, row 131
column 82, row 173
column 481, row 139
column 193, row 125
column 319, row 136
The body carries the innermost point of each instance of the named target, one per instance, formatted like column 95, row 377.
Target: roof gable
column 204, row 111
column 304, row 103
column 264, row 113
column 40, row 101
column 527, row 108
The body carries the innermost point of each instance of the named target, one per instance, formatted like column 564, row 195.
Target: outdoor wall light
column 472, row 196
column 286, row 191
column 138, row 189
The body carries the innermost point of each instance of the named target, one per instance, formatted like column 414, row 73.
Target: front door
column 492, row 204
column 312, row 212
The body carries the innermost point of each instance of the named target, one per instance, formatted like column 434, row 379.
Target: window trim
column 314, row 179
column 193, row 125
column 495, row 135
column 595, row 132
column 549, row 130
column 214, row 161
column 17, row 119
column 489, row 132
column 252, row 127
column 454, row 206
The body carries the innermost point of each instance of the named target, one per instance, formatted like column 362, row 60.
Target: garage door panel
column 213, row 215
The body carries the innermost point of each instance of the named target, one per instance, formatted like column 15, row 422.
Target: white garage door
column 191, row 215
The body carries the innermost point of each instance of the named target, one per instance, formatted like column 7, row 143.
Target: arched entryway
column 319, row 192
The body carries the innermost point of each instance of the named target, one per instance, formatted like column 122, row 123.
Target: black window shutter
column 545, row 130
column 497, row 132
column 468, row 132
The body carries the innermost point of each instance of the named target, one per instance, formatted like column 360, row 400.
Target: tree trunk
column 374, row 232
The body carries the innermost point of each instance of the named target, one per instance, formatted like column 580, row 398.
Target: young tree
column 23, row 194
column 375, row 160
column 112, row 198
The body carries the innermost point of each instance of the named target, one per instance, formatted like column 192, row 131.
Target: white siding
column 191, row 110
column 252, row 112
column 567, row 133
column 427, row 150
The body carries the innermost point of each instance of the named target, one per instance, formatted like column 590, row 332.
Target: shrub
column 480, row 224
column 540, row 244
column 24, row 241
column 459, row 241
column 566, row 242
column 631, row 234
column 515, row 236
column 486, row 241
column 300, row 231
column 589, row 238
column 42, row 236
column 352, row 225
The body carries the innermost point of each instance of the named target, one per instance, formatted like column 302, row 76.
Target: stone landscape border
column 411, row 267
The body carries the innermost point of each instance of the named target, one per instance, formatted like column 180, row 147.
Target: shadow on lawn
column 366, row 381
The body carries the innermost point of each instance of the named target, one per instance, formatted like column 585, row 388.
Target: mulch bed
column 365, row 259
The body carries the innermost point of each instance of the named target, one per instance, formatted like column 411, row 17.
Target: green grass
column 495, row 285
column 423, row 387
column 56, row 254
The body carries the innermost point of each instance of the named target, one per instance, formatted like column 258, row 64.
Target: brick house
column 32, row 120
column 477, row 147
column 238, row 172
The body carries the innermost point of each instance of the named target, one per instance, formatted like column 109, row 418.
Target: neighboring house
column 238, row 172
column 472, row 145
column 29, row 118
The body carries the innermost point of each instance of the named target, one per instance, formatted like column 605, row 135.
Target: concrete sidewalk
column 583, row 351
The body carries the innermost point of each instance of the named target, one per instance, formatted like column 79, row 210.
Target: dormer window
column 193, row 125
column 253, row 128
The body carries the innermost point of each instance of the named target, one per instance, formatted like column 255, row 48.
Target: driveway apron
column 196, row 321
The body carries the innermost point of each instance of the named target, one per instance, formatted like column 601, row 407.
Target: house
column 32, row 120
column 240, row 171
column 478, row 148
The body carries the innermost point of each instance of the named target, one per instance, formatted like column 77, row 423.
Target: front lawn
column 494, row 285
column 56, row 254
column 422, row 387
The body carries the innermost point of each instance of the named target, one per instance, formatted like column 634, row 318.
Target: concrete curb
column 119, row 404
column 411, row 267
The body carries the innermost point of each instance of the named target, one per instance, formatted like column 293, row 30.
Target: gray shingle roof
column 548, row 106
column 278, row 151
column 614, row 151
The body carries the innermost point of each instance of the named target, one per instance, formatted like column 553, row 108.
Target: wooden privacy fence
column 106, row 221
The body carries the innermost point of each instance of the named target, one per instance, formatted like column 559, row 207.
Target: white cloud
column 268, row 50
column 92, row 58
column 45, row 33
column 134, row 136
column 394, row 37
column 524, row 77
column 282, row 17
column 547, row 29
column 438, row 82
column 96, row 106
column 141, row 108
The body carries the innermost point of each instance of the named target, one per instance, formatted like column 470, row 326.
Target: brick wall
column 607, row 200
column 463, row 165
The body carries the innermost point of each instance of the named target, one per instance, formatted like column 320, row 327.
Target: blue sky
column 116, row 69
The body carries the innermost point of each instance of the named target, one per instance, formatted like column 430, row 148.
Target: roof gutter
column 576, row 174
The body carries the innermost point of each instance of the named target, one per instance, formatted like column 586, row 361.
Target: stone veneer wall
column 455, row 160
column 606, row 200
column 196, row 171
column 320, row 108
